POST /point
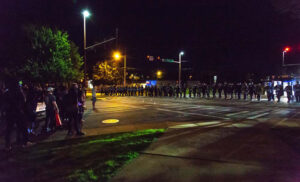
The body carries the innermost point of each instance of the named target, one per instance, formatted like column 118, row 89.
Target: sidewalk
column 219, row 154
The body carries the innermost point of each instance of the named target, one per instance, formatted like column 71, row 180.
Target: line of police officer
column 228, row 90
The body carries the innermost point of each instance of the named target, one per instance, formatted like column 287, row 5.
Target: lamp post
column 85, row 14
column 287, row 49
column 179, row 74
column 158, row 74
column 117, row 56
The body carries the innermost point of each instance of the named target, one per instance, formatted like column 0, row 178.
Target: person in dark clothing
column 51, row 109
column 251, row 90
column 289, row 92
column 297, row 91
column 230, row 90
column 194, row 91
column 245, row 90
column 258, row 91
column 214, row 89
column 72, row 110
column 239, row 90
column 184, row 90
column 225, row 90
column 220, row 88
column 81, row 103
column 279, row 91
column 30, row 108
column 14, row 100
column 269, row 90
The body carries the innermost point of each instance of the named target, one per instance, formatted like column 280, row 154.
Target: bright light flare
column 287, row 49
column 158, row 73
column 181, row 53
column 117, row 56
column 86, row 13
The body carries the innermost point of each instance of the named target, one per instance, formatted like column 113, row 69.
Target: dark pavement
column 206, row 140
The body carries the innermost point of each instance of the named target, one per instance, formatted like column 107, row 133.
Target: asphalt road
column 145, row 110
column 207, row 140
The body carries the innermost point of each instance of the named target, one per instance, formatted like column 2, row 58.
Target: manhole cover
column 110, row 121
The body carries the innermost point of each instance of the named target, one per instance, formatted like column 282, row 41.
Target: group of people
column 217, row 90
column 19, row 105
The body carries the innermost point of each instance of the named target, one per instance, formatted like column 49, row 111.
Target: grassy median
column 82, row 159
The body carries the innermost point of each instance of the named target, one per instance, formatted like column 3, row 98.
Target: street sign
column 168, row 60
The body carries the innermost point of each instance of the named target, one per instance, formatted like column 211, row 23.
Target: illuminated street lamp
column 159, row 74
column 85, row 14
column 117, row 56
column 179, row 76
column 286, row 49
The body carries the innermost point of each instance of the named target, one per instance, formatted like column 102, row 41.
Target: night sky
column 231, row 39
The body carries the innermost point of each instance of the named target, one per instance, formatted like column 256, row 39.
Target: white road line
column 204, row 124
column 237, row 113
column 197, row 114
column 257, row 116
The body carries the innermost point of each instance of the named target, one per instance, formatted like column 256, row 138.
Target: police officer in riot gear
column 251, row 90
column 220, row 87
column 297, row 91
column 279, row 91
column 258, row 91
column 289, row 92
column 245, row 90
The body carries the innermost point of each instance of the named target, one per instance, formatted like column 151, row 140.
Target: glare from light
column 159, row 73
column 86, row 13
column 110, row 121
column 181, row 53
column 287, row 49
column 117, row 55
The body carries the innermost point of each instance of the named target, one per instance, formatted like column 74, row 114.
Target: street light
column 159, row 74
column 85, row 14
column 286, row 49
column 117, row 56
column 179, row 76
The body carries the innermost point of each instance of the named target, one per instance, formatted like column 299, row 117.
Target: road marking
column 189, row 125
column 237, row 113
column 258, row 116
column 197, row 114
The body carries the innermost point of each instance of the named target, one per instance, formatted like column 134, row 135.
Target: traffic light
column 287, row 49
column 150, row 58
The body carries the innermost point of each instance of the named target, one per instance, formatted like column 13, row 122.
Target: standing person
column 94, row 98
column 194, row 91
column 203, row 90
column 258, row 91
column 184, row 90
column 239, row 90
column 30, row 108
column 51, row 109
column 72, row 110
column 81, row 103
column 220, row 88
column 214, row 89
column 225, row 90
column 208, row 90
column 269, row 91
column 279, row 91
column 251, row 90
column 14, row 108
column 177, row 89
column 190, row 91
column 297, row 91
column 231, row 90
column 245, row 90
column 289, row 92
